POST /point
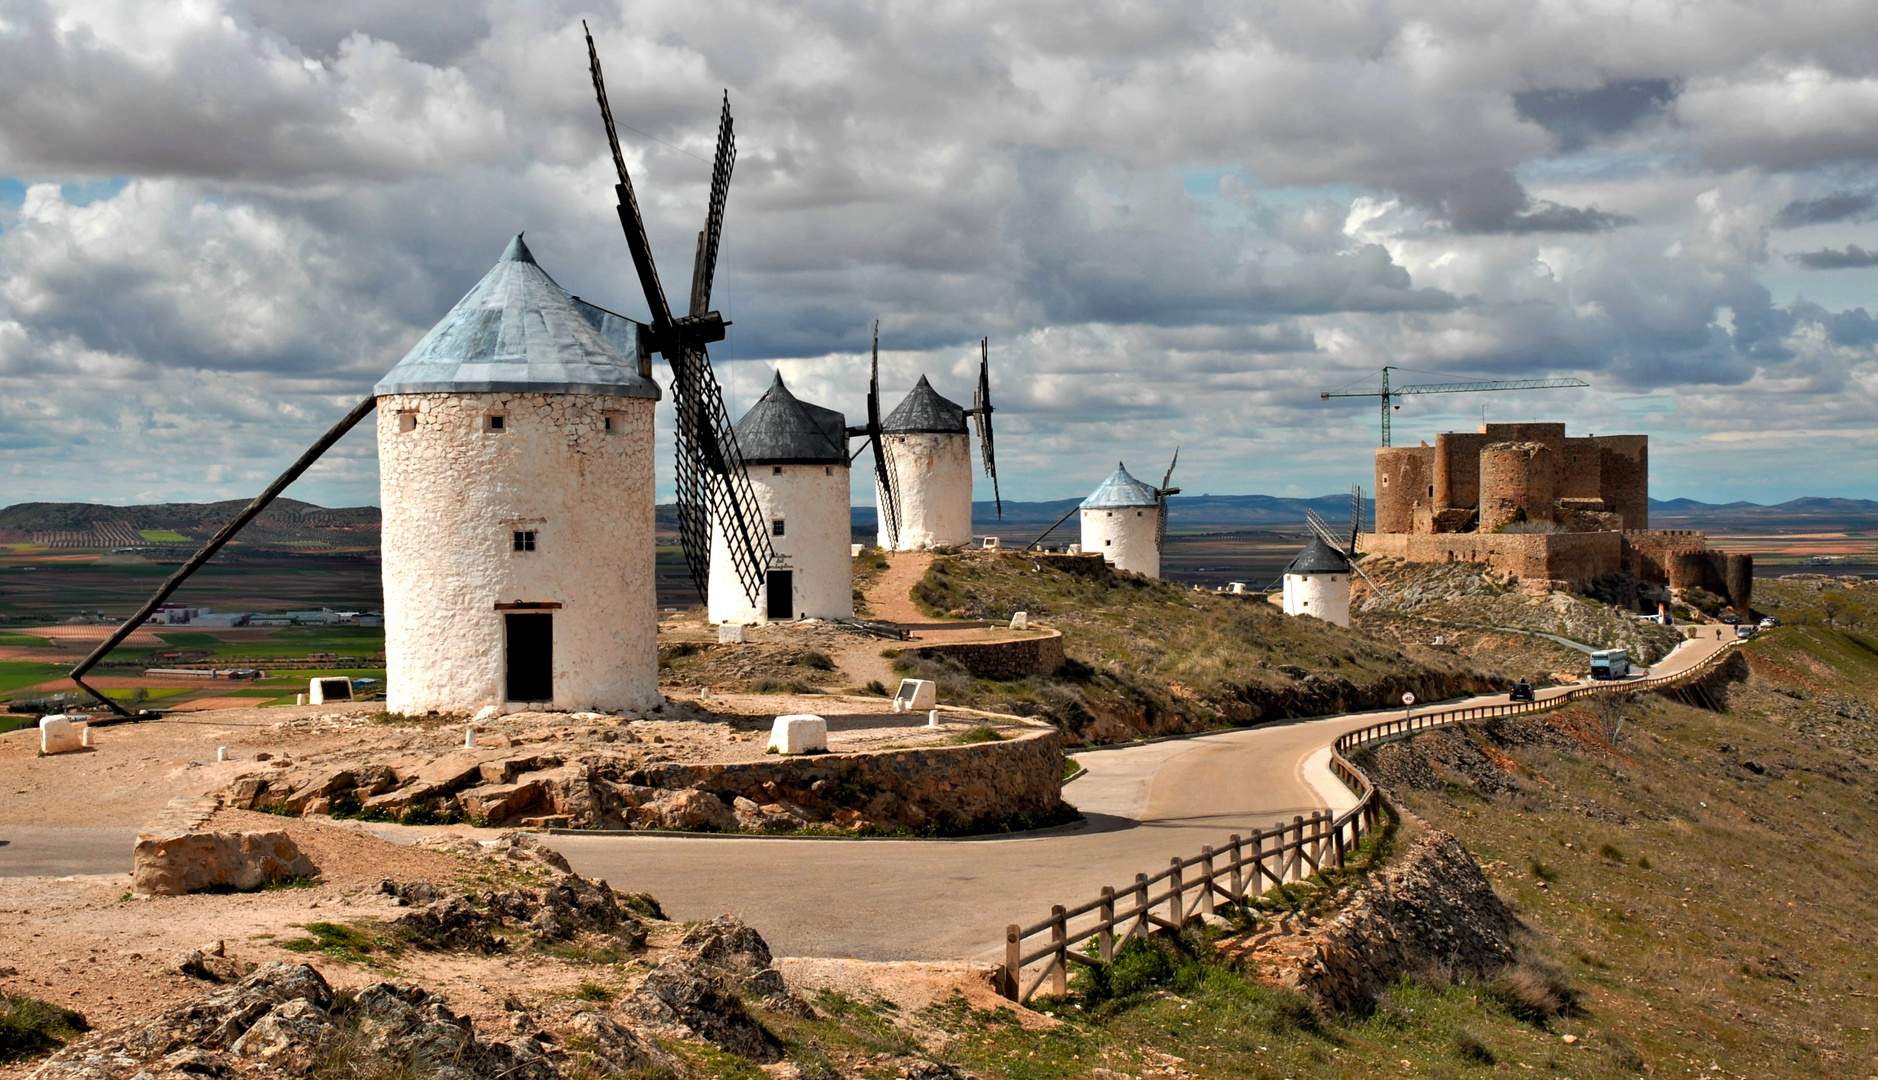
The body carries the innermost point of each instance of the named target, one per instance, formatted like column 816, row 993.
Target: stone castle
column 1535, row 506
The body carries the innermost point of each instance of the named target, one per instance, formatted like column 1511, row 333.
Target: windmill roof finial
column 517, row 251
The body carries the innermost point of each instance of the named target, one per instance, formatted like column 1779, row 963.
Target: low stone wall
column 947, row 789
column 1004, row 661
column 952, row 788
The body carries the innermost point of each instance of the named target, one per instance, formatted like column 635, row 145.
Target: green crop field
column 17, row 673
column 163, row 536
column 24, row 639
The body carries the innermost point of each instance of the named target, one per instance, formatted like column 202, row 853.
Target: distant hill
column 1809, row 513
column 287, row 524
column 1185, row 513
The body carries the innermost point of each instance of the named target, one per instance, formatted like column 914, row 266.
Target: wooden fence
column 1249, row 865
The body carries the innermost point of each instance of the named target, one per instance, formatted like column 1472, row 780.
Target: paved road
column 894, row 899
column 880, row 899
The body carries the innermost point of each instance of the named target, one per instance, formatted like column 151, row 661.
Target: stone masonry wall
column 1538, row 560
column 1004, row 661
column 1405, row 476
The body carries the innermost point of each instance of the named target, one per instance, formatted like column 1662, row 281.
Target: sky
column 221, row 221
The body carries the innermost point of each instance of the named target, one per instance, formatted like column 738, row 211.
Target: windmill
column 1160, row 502
column 710, row 478
column 1347, row 550
column 885, row 483
column 980, row 412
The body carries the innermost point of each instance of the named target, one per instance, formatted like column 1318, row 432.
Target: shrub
column 593, row 991
column 1611, row 852
column 1469, row 1048
column 29, row 1026
column 817, row 659
column 1533, row 993
column 980, row 734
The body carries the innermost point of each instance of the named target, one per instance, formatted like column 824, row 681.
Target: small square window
column 1108, row 543
column 407, row 421
column 495, row 422
column 608, row 421
column 775, row 470
column 828, row 470
column 776, row 527
column 525, row 540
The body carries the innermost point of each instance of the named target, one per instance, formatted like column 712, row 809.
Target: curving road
column 926, row 899
column 929, row 900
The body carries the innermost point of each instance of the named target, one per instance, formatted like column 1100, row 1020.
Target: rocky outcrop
column 284, row 1020
column 453, row 920
column 1004, row 661
column 1432, row 910
column 177, row 853
column 699, row 990
column 947, row 789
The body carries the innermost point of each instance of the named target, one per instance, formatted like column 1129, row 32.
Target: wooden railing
column 1249, row 865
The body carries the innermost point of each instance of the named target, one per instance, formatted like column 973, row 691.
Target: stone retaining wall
column 1004, row 661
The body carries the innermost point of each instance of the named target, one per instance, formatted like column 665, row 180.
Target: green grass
column 163, row 536
column 191, row 639
column 1071, row 767
column 27, row 640
column 1159, row 656
column 353, row 944
column 30, row 1027
column 983, row 733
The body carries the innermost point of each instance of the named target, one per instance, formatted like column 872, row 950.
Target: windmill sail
column 981, row 411
column 1325, row 534
column 1160, row 502
column 885, row 479
column 711, row 484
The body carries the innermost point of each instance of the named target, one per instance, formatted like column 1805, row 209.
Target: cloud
column 1839, row 206
column 1852, row 257
column 1577, row 117
column 1175, row 222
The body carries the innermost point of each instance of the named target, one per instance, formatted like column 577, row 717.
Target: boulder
column 687, row 808
column 179, row 854
column 602, row 1046
column 802, row 733
column 451, row 923
column 680, row 992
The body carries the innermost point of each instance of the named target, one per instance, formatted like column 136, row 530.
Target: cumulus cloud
column 1176, row 222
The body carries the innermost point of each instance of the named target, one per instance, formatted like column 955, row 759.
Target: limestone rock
column 611, row 1048
column 681, row 992
column 453, row 924
column 174, row 857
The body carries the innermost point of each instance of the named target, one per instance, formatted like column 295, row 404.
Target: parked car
column 1744, row 631
column 1730, row 618
column 1769, row 622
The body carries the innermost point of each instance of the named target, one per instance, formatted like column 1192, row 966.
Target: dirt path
column 890, row 599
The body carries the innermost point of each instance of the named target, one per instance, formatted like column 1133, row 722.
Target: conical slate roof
column 925, row 411
column 1120, row 490
column 519, row 332
column 782, row 429
column 1319, row 558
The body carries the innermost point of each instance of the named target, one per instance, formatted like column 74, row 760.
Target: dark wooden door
column 782, row 594
column 531, row 657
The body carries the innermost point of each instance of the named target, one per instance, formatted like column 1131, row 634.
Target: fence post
column 1258, row 863
column 1059, row 936
column 1012, row 952
column 1105, row 937
column 1177, row 901
column 1237, row 870
column 1337, row 838
column 1141, row 903
column 1206, row 879
column 1297, row 847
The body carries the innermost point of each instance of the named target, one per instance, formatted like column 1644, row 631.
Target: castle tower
column 1317, row 582
column 796, row 457
column 1122, row 520
column 931, row 458
column 516, row 479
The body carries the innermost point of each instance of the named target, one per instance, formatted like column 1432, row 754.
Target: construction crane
column 1387, row 392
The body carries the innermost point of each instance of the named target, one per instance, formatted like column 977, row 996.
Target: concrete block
column 299, row 699
column 1020, row 620
column 915, row 695
column 730, row 633
column 802, row 733
column 60, row 734
column 932, row 718
column 992, row 543
column 854, row 550
column 84, row 735
column 1075, row 549
column 319, row 691
column 221, row 753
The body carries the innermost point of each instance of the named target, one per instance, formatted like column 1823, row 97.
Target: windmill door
column 531, row 657
column 782, row 594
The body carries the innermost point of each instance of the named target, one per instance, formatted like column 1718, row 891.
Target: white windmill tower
column 925, row 489
column 1317, row 580
column 515, row 472
column 1125, row 521
column 796, row 457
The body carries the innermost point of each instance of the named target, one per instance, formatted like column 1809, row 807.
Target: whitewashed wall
column 934, row 474
column 453, row 493
column 1327, row 596
column 812, row 501
column 1125, row 537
